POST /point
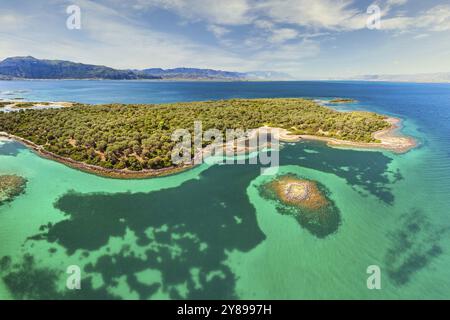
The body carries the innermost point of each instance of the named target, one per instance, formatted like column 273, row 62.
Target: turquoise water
column 208, row 233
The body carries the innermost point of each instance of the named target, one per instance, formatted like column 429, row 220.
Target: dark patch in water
column 187, row 228
column 397, row 175
column 198, row 212
column 366, row 169
column 415, row 245
column 144, row 291
column 30, row 282
column 10, row 149
column 5, row 263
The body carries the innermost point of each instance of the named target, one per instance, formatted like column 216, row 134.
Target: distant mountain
column 209, row 74
column 32, row 68
column 194, row 73
column 268, row 75
column 421, row 77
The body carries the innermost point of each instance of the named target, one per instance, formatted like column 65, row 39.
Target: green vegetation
column 137, row 137
column 342, row 100
column 23, row 105
column 4, row 104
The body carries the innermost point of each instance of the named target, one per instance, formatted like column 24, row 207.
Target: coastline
column 92, row 169
column 389, row 138
column 15, row 105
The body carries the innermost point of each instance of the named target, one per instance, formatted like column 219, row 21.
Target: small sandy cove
column 390, row 139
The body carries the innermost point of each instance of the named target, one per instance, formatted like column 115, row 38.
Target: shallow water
column 208, row 233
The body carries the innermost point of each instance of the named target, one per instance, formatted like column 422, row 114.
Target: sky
column 308, row 39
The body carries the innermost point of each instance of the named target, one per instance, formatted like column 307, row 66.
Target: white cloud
column 397, row 23
column 435, row 19
column 319, row 14
column 6, row 20
column 218, row 31
column 315, row 15
column 282, row 35
column 229, row 12
column 123, row 42
column 148, row 48
column 264, row 24
column 12, row 21
column 421, row 36
column 339, row 15
column 396, row 2
column 289, row 58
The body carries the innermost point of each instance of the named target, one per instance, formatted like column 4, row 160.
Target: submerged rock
column 307, row 201
column 10, row 187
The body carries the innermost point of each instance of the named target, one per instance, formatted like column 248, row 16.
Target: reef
column 11, row 186
column 306, row 200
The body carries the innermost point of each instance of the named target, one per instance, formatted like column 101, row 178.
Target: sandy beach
column 390, row 139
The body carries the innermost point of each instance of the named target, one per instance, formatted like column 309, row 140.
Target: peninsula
column 134, row 141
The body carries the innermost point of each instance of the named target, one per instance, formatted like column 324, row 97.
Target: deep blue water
column 426, row 104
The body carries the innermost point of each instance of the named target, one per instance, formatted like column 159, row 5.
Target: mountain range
column 419, row 77
column 32, row 68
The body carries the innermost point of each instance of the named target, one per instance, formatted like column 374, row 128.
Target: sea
column 208, row 233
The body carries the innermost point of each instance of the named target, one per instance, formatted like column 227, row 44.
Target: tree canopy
column 137, row 137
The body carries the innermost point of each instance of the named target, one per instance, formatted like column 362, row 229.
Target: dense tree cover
column 138, row 137
column 20, row 105
column 342, row 100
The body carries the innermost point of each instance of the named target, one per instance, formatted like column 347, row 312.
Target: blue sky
column 309, row 39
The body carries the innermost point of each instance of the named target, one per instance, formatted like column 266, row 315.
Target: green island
column 306, row 200
column 119, row 138
column 342, row 100
column 24, row 105
column 11, row 186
